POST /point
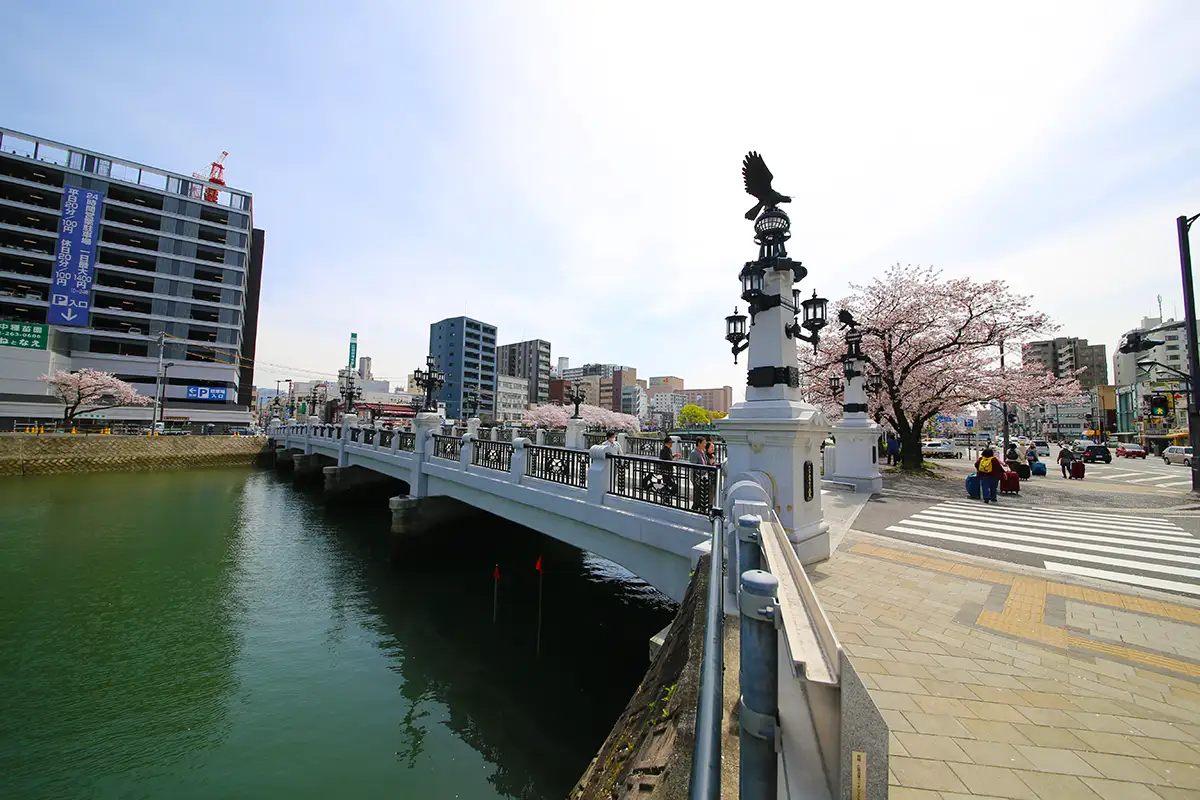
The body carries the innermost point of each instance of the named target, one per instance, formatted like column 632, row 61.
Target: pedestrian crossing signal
column 1159, row 405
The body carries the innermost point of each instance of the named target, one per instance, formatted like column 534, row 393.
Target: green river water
column 220, row 634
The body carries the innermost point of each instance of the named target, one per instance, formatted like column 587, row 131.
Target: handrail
column 705, row 783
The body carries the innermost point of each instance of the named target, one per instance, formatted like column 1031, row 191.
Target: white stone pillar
column 575, row 429
column 517, row 470
column 623, row 443
column 464, row 452
column 349, row 422
column 539, row 436
column 857, row 437
column 597, row 475
column 473, row 426
column 425, row 424
column 775, row 437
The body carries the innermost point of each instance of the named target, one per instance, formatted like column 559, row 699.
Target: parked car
column 1127, row 450
column 1177, row 454
column 1097, row 452
column 1043, row 448
column 940, row 448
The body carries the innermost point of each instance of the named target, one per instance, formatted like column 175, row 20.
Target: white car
column 1043, row 448
column 940, row 448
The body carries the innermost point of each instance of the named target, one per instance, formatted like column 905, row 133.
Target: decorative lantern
column 815, row 309
column 752, row 280
column 876, row 382
column 835, row 384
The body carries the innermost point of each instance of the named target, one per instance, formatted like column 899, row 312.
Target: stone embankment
column 24, row 454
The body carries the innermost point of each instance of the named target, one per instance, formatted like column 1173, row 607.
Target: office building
column 667, row 403
column 559, row 389
column 364, row 367
column 665, row 383
column 635, row 401
column 529, row 360
column 513, row 396
column 1066, row 354
column 1161, row 361
column 612, row 387
column 465, row 350
column 105, row 258
column 599, row 370
column 712, row 399
column 564, row 364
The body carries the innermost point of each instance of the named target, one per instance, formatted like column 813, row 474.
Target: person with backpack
column 1065, row 457
column 893, row 451
column 989, row 469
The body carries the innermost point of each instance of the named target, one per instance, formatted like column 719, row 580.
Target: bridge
column 649, row 516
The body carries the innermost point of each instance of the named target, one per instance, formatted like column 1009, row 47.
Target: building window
column 1172, row 347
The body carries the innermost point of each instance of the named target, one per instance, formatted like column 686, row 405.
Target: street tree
column 88, row 390
column 692, row 414
column 936, row 343
column 550, row 415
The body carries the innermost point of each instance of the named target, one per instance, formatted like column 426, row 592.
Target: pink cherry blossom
column 556, row 416
column 936, row 343
column 91, row 390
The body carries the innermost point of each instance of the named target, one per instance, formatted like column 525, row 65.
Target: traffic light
column 1012, row 417
column 1159, row 405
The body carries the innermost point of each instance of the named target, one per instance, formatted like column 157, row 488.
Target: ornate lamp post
column 470, row 402
column 576, row 397
column 857, row 457
column 431, row 379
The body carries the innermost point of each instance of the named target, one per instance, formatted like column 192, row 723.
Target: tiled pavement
column 996, row 682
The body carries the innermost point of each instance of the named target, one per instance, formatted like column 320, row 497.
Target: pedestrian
column 699, row 452
column 700, row 494
column 667, row 452
column 1065, row 457
column 989, row 469
column 712, row 454
column 1010, row 453
column 611, row 442
column 667, row 475
column 893, row 451
column 1031, row 455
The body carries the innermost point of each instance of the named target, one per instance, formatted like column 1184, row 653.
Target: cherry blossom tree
column 556, row 416
column 90, row 390
column 936, row 343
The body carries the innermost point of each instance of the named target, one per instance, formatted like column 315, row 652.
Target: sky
column 571, row 171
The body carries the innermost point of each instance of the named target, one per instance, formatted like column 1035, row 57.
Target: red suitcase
column 1010, row 483
column 1077, row 470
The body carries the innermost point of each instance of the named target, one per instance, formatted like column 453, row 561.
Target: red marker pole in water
column 495, row 591
column 541, row 575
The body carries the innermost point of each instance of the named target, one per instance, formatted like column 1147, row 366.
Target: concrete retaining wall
column 22, row 454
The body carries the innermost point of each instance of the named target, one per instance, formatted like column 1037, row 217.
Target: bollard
column 757, row 775
column 749, row 549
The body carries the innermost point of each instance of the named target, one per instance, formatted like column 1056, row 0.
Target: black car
column 1096, row 452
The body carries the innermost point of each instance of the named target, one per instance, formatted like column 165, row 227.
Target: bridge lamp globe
column 752, row 281
column 848, row 368
column 815, row 312
column 835, row 384
column 876, row 382
column 735, row 327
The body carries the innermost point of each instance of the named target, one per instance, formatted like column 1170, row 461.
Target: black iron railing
column 528, row 433
column 686, row 446
column 504, row 434
column 555, row 439
column 447, row 447
column 385, row 438
column 355, row 434
column 591, row 439
column 338, row 428
column 642, row 446
column 557, row 464
column 493, row 455
column 675, row 484
column 408, row 441
column 368, row 436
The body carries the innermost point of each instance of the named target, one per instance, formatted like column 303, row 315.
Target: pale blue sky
column 571, row 171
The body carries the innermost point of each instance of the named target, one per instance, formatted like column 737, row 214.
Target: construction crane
column 216, row 174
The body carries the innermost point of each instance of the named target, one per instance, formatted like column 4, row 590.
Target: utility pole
column 1182, row 224
column 158, row 382
column 1004, row 448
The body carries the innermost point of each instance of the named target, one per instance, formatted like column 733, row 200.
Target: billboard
column 353, row 350
column 205, row 393
column 29, row 335
column 74, row 261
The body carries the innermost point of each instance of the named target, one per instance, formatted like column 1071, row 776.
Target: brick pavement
column 997, row 682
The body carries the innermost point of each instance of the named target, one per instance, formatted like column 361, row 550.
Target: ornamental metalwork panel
column 385, row 438
column 528, row 433
column 557, row 464
column 355, row 434
column 643, row 446
column 675, row 484
column 408, row 441
column 504, row 434
column 493, row 455
column 368, row 436
column 555, row 439
column 592, row 439
column 447, row 447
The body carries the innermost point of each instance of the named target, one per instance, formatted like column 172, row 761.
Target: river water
column 220, row 634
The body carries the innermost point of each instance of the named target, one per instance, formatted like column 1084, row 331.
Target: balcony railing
column 493, row 455
column 675, row 484
column 557, row 464
column 447, row 447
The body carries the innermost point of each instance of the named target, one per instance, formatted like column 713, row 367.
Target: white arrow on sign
column 69, row 314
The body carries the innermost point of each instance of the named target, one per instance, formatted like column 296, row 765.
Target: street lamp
column 735, row 332
column 835, row 384
column 1183, row 225
column 431, row 379
column 160, row 393
column 575, row 396
column 815, row 318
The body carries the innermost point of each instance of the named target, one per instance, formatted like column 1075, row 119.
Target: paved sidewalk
column 997, row 682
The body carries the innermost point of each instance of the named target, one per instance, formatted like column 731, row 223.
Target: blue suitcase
column 973, row 485
column 1038, row 468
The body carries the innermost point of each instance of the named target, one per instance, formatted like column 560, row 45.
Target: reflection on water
column 219, row 634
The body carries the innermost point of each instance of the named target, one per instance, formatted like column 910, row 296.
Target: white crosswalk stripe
column 1127, row 548
column 1152, row 473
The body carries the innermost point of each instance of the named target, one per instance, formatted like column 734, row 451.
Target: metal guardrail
column 592, row 439
column 385, row 438
column 555, row 438
column 408, row 440
column 557, row 464
column 447, row 447
column 705, row 783
column 642, row 446
column 675, row 484
column 493, row 455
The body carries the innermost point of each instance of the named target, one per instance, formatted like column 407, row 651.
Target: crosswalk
column 1127, row 548
column 1152, row 473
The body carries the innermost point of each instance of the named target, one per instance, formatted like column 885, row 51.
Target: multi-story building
column 564, row 364
column 664, row 383
column 1172, row 354
column 364, row 367
column 513, row 397
column 600, row 370
column 529, row 360
column 112, row 262
column 667, row 403
column 635, row 401
column 1066, row 354
column 612, row 387
column 465, row 350
column 559, row 388
column 713, row 399
column 589, row 386
column 1158, row 375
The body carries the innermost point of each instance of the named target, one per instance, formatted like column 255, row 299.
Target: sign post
column 74, row 262
column 353, row 350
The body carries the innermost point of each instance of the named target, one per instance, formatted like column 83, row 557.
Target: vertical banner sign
column 75, row 260
column 353, row 349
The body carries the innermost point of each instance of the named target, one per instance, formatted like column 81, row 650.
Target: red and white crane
column 216, row 175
